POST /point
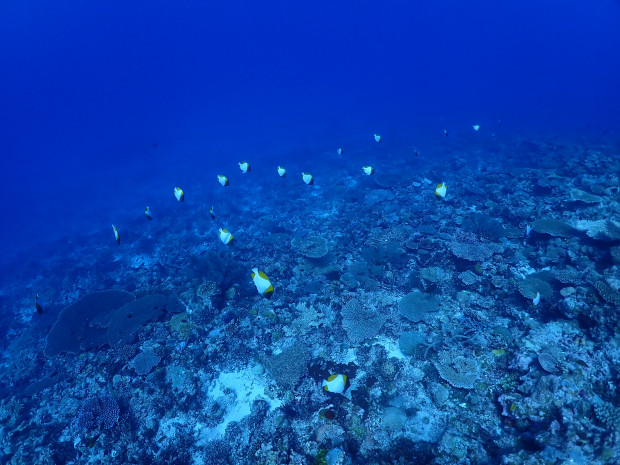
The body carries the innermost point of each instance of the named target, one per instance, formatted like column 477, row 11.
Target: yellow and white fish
column 281, row 171
column 445, row 132
column 262, row 283
column 244, row 166
column 223, row 180
column 212, row 213
column 339, row 151
column 225, row 236
column 335, row 383
column 378, row 138
column 440, row 190
column 308, row 178
column 368, row 170
column 179, row 194
column 476, row 127
column 147, row 213
column 536, row 299
column 116, row 235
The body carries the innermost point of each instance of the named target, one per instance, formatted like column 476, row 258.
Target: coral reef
column 153, row 352
column 98, row 412
column 361, row 321
column 458, row 370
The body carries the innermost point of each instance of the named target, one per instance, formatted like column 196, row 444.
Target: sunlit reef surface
column 426, row 304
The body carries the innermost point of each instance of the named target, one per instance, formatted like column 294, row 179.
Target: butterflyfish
column 378, row 138
column 308, row 178
column 440, row 190
column 262, row 283
column 223, row 180
column 335, row 383
column 281, row 171
column 244, row 166
column 179, row 194
column 368, row 170
column 116, row 235
column 225, row 236
column 147, row 213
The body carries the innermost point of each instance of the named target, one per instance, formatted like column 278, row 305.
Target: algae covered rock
column 552, row 227
column 145, row 361
column 484, row 226
column 125, row 321
column 73, row 331
column 416, row 305
column 585, row 197
column 411, row 343
column 393, row 419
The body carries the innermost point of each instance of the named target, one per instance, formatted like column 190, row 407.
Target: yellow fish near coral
column 335, row 383
column 179, row 194
column 244, row 166
column 368, row 170
column 223, row 180
column 262, row 283
column 281, row 171
column 308, row 178
column 147, row 213
column 116, row 235
column 536, row 299
column 440, row 190
column 225, row 236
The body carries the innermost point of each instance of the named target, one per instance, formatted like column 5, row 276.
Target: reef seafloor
column 404, row 327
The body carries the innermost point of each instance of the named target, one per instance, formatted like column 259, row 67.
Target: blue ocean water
column 107, row 107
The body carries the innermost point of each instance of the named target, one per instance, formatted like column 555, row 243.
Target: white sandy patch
column 248, row 387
